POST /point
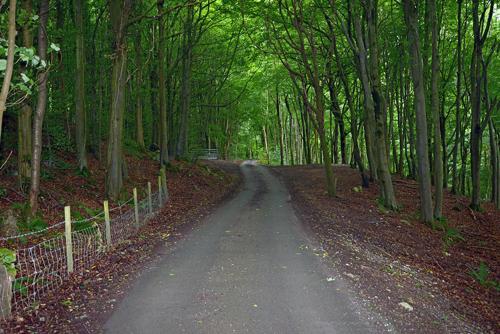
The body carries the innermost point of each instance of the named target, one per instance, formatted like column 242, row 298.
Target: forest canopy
column 389, row 87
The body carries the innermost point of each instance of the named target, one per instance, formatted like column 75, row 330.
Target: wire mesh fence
column 44, row 266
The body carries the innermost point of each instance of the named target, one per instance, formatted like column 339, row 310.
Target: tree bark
column 495, row 164
column 380, row 112
column 24, row 126
column 456, row 148
column 424, row 179
column 266, row 144
column 435, row 109
column 185, row 96
column 139, row 126
column 476, row 80
column 280, row 128
column 119, row 13
column 40, row 108
column 291, row 133
column 11, row 47
column 80, row 114
column 163, row 136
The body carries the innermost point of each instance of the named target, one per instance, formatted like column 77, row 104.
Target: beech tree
column 424, row 176
column 120, row 11
column 41, row 106
column 80, row 119
column 8, row 64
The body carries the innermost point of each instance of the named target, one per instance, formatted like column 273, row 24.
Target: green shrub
column 3, row 192
column 451, row 235
column 8, row 259
column 35, row 224
column 25, row 222
column 481, row 275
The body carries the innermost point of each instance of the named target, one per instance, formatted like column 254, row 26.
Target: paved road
column 244, row 270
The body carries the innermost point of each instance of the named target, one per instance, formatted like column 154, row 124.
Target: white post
column 150, row 202
column 136, row 204
column 160, row 195
column 69, row 242
column 108, row 225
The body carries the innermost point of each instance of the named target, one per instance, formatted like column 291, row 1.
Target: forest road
column 248, row 268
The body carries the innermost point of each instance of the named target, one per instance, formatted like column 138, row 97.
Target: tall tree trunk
column 456, row 148
column 185, row 83
column 266, row 143
column 330, row 179
column 435, row 109
column 80, row 114
column 495, row 164
column 280, row 128
column 11, row 42
column 119, row 13
column 369, row 114
column 40, row 108
column 139, row 126
column 424, row 178
column 291, row 133
column 163, row 136
column 155, row 123
column 476, row 80
column 401, row 125
column 24, row 125
column 354, row 127
column 379, row 110
column 339, row 130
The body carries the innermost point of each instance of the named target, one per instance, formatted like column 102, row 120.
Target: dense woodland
column 404, row 87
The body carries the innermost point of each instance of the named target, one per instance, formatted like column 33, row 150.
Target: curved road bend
column 244, row 270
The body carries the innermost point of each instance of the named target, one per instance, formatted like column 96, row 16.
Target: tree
column 139, row 83
column 81, row 119
column 40, row 107
column 8, row 65
column 308, row 72
column 435, row 109
column 480, row 29
column 379, row 107
column 424, row 179
column 163, row 136
column 119, row 15
column 374, row 101
column 24, row 122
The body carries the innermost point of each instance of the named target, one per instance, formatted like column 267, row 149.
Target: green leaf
column 25, row 77
column 35, row 61
column 8, row 258
column 3, row 64
column 24, row 88
column 55, row 47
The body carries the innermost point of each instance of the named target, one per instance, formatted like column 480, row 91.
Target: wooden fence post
column 164, row 182
column 136, row 205
column 160, row 195
column 68, row 236
column 108, row 225
column 150, row 202
column 5, row 293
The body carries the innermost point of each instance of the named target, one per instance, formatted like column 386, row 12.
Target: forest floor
column 420, row 278
column 81, row 302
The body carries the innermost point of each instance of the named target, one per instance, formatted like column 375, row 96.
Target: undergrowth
column 451, row 235
column 481, row 275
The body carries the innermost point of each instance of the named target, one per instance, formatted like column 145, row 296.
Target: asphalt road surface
column 248, row 268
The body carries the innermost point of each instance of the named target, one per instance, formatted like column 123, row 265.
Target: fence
column 205, row 154
column 44, row 266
